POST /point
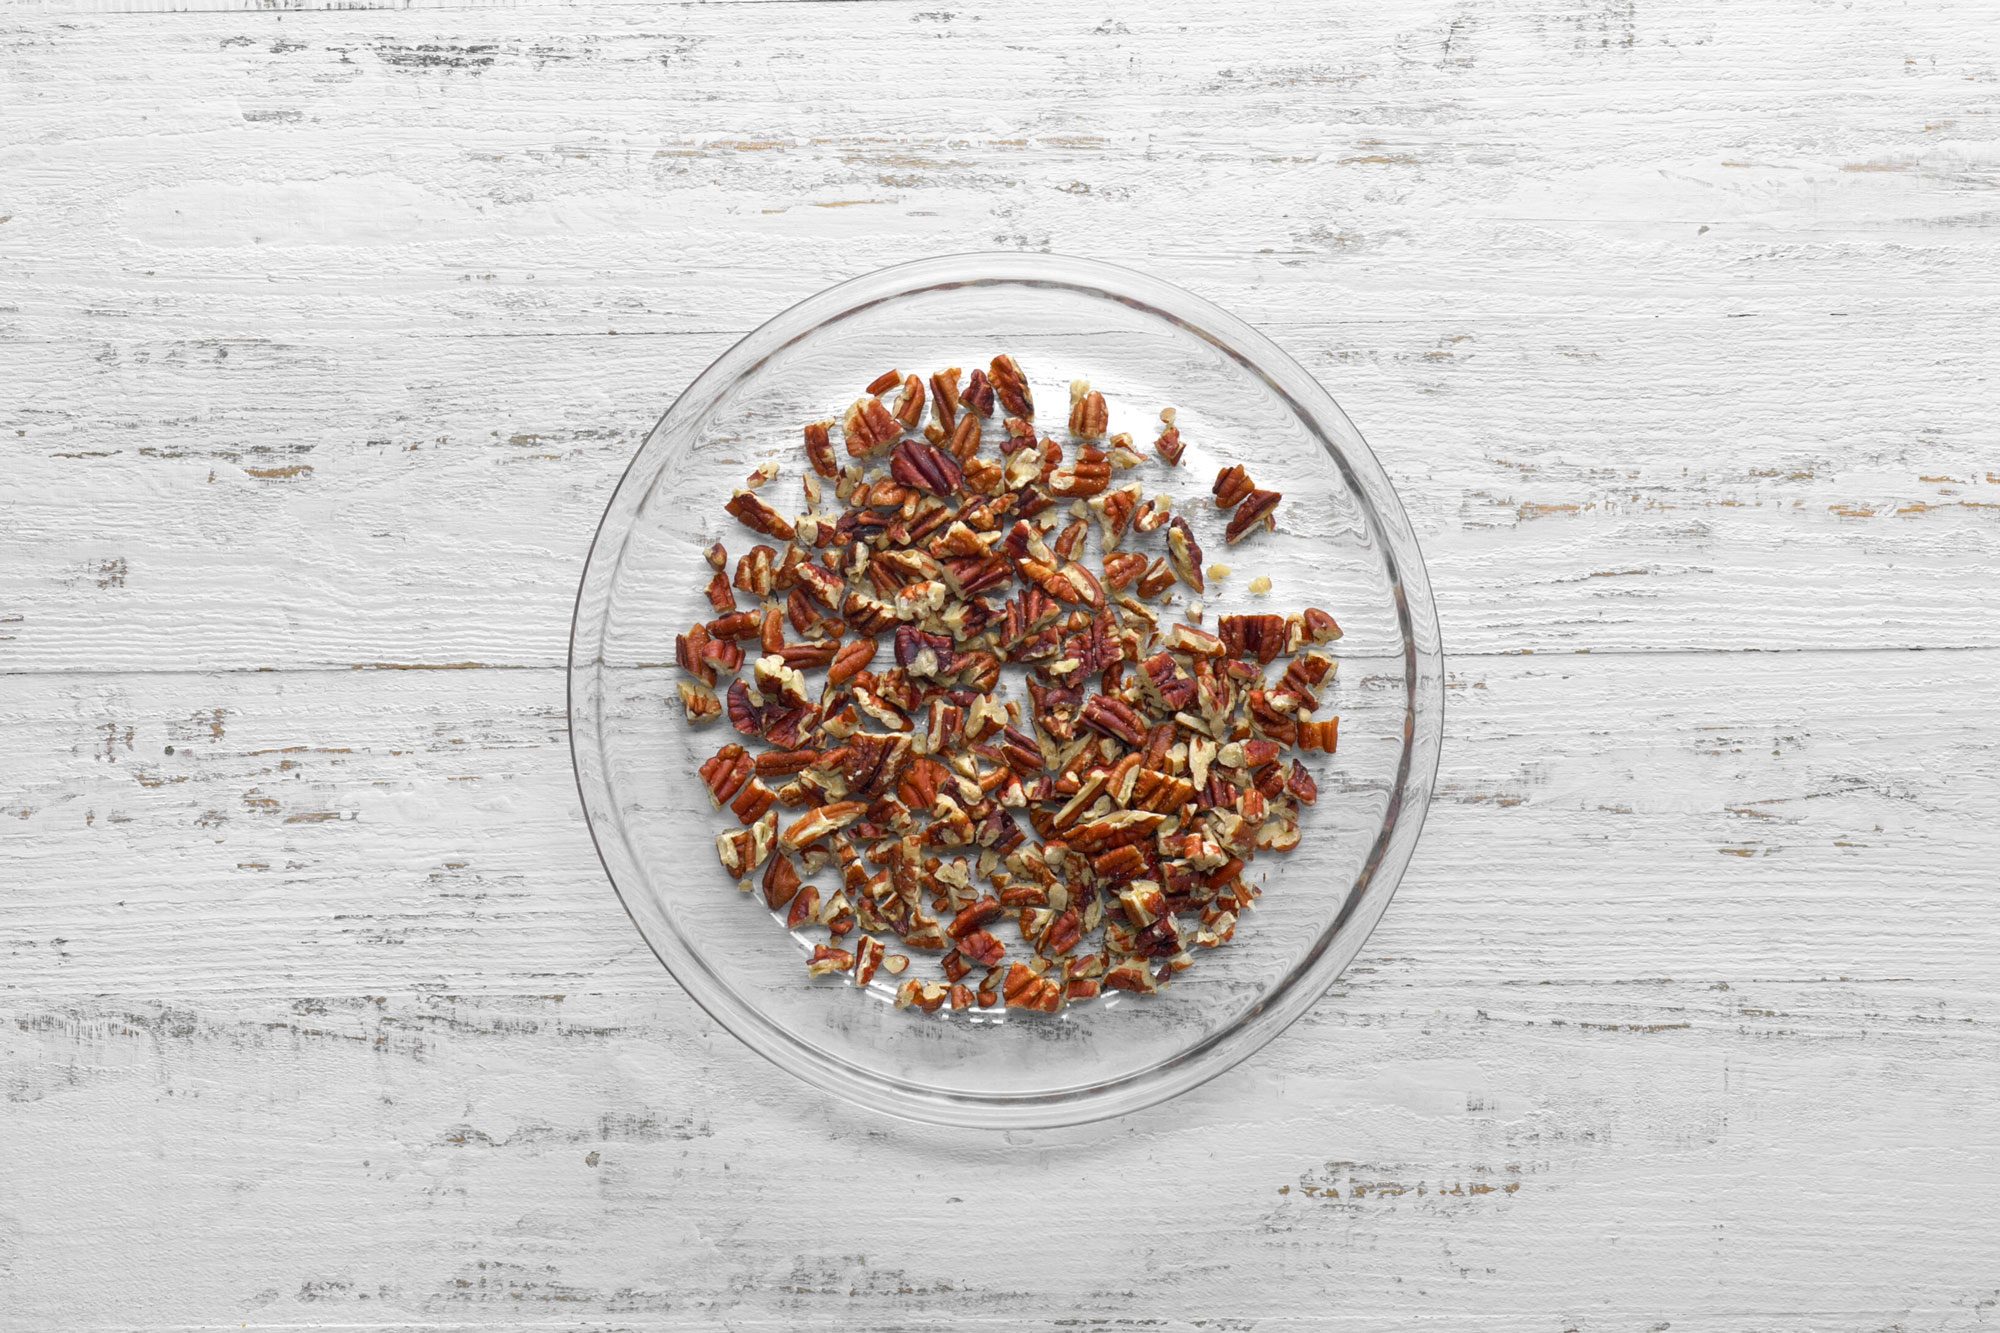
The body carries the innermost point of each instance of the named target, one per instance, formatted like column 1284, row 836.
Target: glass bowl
column 1342, row 543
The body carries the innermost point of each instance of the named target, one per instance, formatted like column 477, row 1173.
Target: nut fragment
column 698, row 701
column 1012, row 387
column 1255, row 509
column 819, row 449
column 1231, row 485
column 751, row 511
column 1185, row 554
column 1088, row 415
column 868, row 426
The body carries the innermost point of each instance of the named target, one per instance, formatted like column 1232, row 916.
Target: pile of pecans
column 1113, row 817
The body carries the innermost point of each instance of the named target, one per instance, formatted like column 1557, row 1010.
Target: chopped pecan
column 978, row 393
column 910, row 403
column 751, row 511
column 1321, row 736
column 1011, row 386
column 698, row 701
column 925, row 466
column 1088, row 416
column 869, row 954
column 867, row 426
column 1184, row 553
column 827, row 960
column 1231, row 485
column 781, row 882
column 819, row 449
column 1255, row 511
column 817, row 824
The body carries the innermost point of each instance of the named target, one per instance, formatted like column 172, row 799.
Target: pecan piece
column 965, row 438
column 926, row 467
column 1088, row 416
column 1114, row 718
column 978, row 394
column 1256, row 509
column 852, row 659
column 1232, row 484
column 750, row 510
column 827, row 960
column 817, row 824
column 819, row 449
column 719, row 596
column 1260, row 636
column 910, row 404
column 689, row 654
column 1011, row 386
column 781, row 882
column 869, row 954
column 868, row 426
column 1321, row 736
column 982, row 947
column 1185, row 554
column 753, row 801
column 725, row 773
column 698, row 701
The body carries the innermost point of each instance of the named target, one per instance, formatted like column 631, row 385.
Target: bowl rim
column 1292, row 994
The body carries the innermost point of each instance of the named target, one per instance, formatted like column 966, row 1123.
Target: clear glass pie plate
column 1341, row 543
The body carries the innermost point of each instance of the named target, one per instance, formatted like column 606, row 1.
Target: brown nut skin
column 965, row 437
column 868, row 426
column 1012, row 386
column 819, row 449
column 1184, row 554
column 1089, row 417
column 853, row 658
column 747, row 508
column 1231, row 485
column 910, row 403
column 1320, row 627
column 978, row 394
column 1253, row 512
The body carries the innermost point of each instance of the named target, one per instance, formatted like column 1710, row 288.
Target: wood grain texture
column 327, row 329
column 350, row 1017
column 1675, row 328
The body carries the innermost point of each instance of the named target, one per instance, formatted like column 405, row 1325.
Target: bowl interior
column 1342, row 544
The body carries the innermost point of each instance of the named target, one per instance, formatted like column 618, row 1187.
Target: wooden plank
column 1647, row 379
column 1691, row 988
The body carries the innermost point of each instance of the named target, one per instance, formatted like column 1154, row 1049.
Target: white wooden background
column 325, row 330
